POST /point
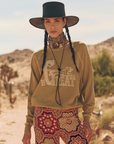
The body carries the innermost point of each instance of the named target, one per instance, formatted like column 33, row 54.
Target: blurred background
column 18, row 41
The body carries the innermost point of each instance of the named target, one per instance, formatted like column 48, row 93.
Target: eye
column 57, row 20
column 47, row 21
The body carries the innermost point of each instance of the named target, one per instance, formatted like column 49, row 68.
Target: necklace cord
column 59, row 70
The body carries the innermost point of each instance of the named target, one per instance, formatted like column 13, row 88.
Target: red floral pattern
column 48, row 123
column 57, row 113
column 51, row 124
column 37, row 111
column 68, row 121
column 76, row 111
column 48, row 141
column 38, row 134
column 77, row 140
column 81, row 130
column 63, row 135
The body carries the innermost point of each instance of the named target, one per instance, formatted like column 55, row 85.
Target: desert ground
column 12, row 122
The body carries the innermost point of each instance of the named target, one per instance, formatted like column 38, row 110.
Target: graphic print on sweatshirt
column 51, row 76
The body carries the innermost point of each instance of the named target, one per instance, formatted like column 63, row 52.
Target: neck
column 58, row 41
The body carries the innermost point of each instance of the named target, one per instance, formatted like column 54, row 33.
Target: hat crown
column 53, row 9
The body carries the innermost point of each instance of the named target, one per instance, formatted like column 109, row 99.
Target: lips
column 53, row 32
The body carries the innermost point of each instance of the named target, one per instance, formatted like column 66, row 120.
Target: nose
column 52, row 25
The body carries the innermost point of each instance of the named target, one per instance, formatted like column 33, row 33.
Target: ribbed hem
column 27, row 127
column 86, row 119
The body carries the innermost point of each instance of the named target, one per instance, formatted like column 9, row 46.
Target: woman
column 61, row 82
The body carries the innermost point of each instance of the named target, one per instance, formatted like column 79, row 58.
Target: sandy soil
column 12, row 124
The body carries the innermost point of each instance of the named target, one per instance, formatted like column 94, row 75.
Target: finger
column 89, row 137
column 85, row 130
column 88, row 133
column 25, row 141
column 28, row 141
column 89, row 129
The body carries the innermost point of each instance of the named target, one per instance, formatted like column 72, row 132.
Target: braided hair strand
column 45, row 50
column 71, row 48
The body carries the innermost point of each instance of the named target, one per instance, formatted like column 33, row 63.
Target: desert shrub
column 23, row 88
column 8, row 72
column 103, row 66
column 10, row 59
column 106, row 118
column 103, row 85
column 16, row 73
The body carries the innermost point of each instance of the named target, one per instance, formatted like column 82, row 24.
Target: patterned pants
column 51, row 124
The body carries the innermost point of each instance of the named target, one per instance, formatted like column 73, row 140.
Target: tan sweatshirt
column 76, row 88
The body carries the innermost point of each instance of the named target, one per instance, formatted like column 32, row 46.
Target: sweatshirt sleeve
column 34, row 79
column 88, row 86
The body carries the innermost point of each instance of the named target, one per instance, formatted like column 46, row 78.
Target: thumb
column 28, row 142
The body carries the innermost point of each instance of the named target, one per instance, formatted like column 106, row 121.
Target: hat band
column 53, row 15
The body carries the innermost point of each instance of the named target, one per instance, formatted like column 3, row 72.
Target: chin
column 54, row 35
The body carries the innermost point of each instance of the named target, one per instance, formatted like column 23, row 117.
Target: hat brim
column 38, row 22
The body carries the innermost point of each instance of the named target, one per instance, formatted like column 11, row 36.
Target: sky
column 96, row 22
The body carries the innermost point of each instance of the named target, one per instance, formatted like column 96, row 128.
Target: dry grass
column 106, row 118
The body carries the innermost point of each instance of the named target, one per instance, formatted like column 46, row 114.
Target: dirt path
column 12, row 125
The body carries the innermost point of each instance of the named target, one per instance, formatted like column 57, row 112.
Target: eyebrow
column 46, row 19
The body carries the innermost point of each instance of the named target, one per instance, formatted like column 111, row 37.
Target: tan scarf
column 58, row 41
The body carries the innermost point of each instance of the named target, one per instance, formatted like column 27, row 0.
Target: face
column 54, row 26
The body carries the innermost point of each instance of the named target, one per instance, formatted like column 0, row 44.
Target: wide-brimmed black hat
column 53, row 9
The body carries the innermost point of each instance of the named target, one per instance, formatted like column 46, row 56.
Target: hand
column 26, row 137
column 88, row 131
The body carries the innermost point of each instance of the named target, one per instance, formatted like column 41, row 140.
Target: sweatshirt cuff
column 27, row 127
column 86, row 119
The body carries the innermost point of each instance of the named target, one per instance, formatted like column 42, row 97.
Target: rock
column 112, row 126
column 107, row 138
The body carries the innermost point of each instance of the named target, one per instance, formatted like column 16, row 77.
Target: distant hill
column 16, row 56
column 20, row 55
column 110, row 40
column 19, row 60
column 97, row 48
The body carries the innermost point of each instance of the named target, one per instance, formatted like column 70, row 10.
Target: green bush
column 103, row 66
column 103, row 85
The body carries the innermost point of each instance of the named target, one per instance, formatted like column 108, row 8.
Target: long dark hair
column 71, row 48
column 45, row 48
